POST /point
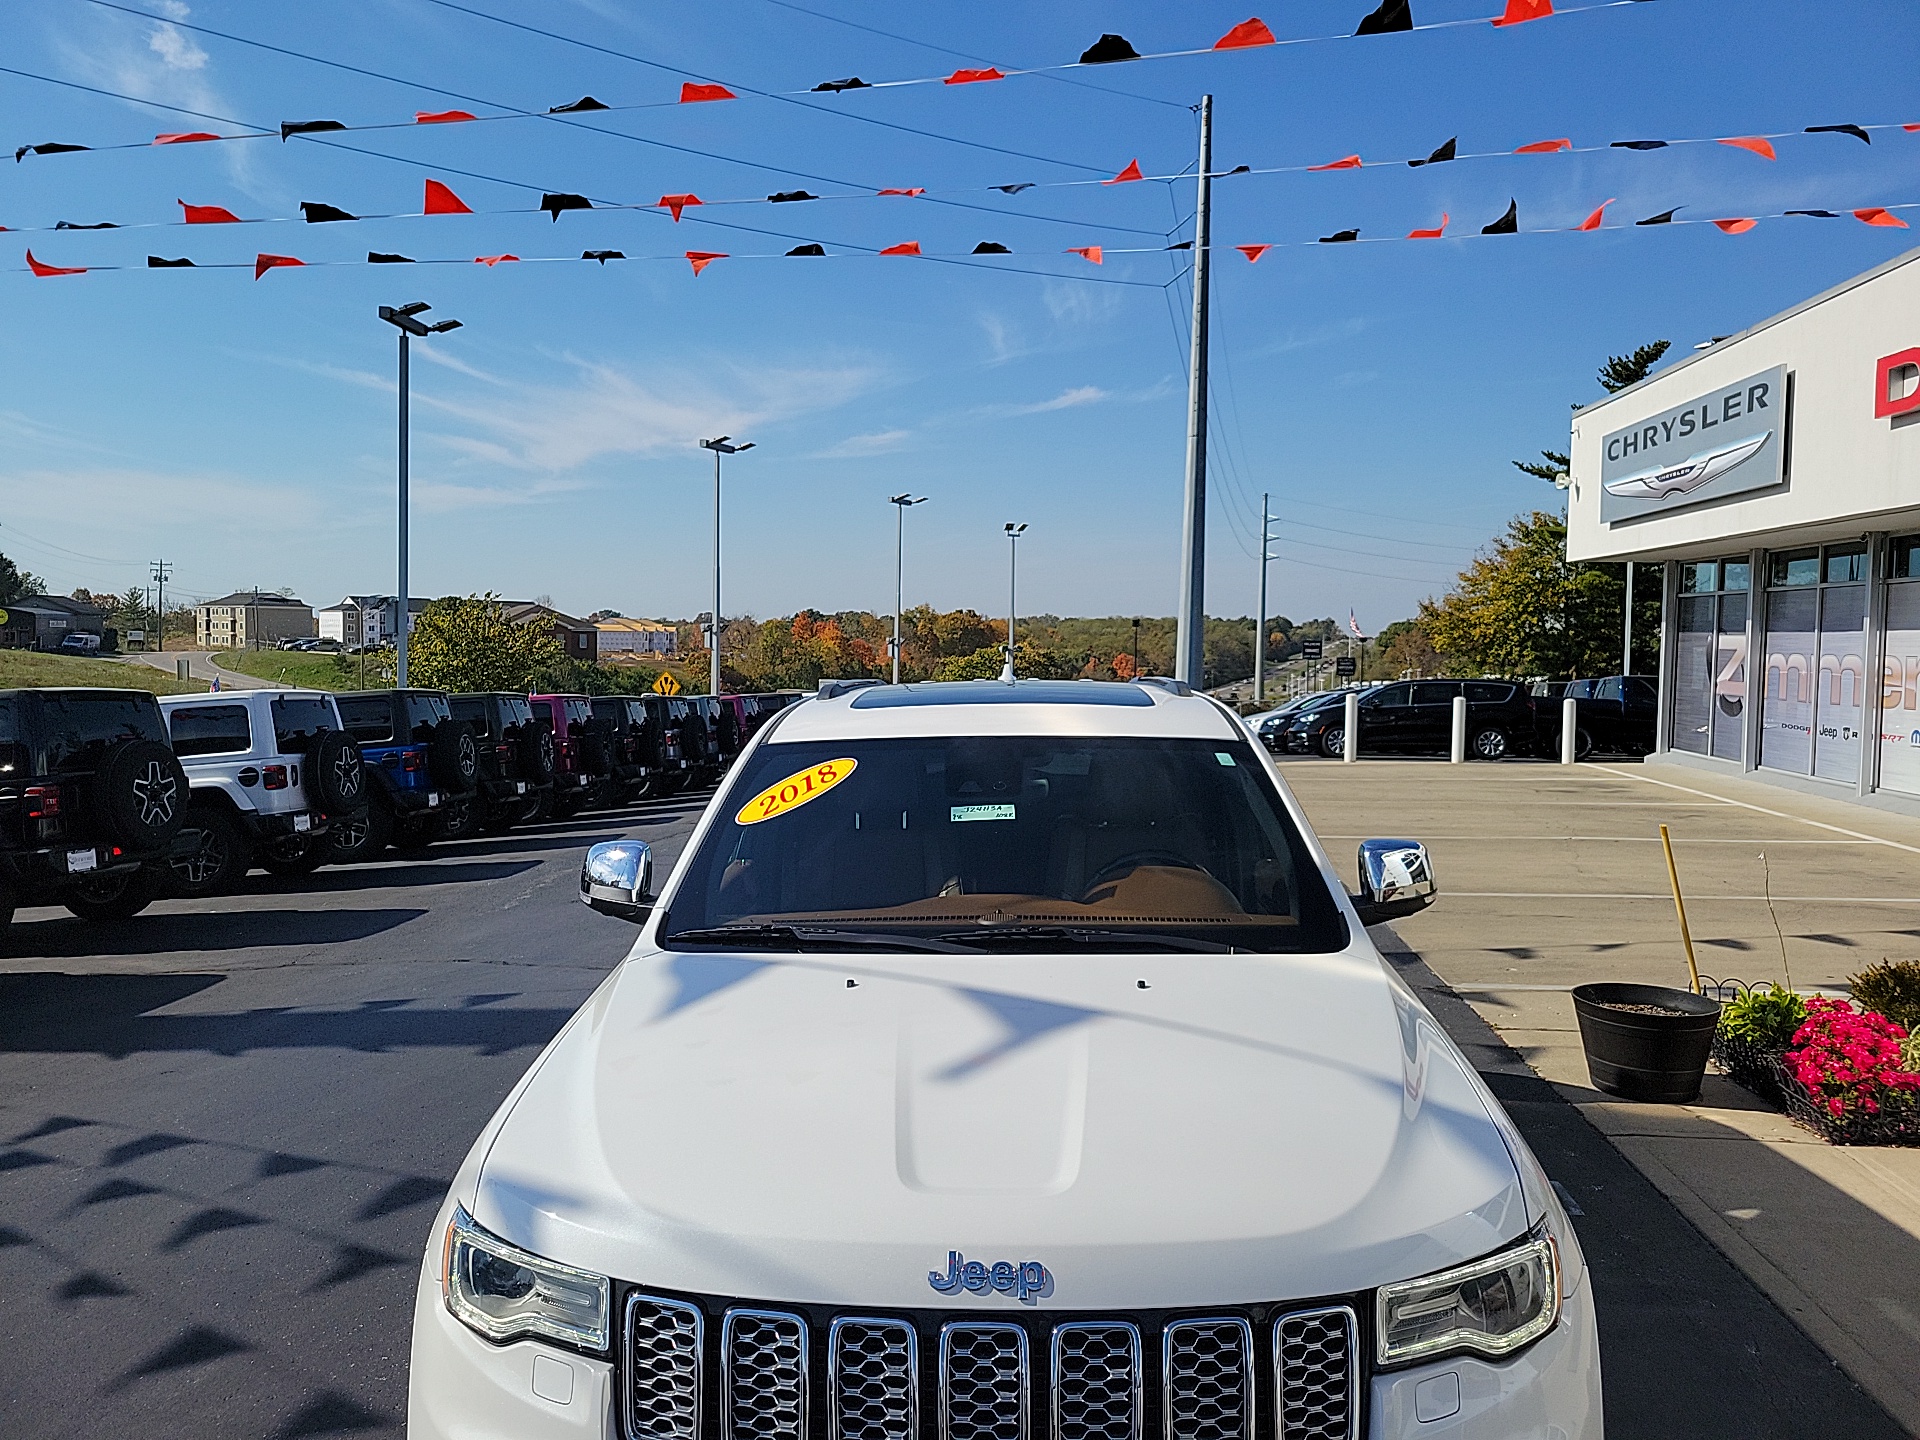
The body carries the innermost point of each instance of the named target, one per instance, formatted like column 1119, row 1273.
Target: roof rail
column 833, row 689
column 1164, row 682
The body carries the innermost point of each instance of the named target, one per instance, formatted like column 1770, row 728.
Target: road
column 199, row 665
column 225, row 1127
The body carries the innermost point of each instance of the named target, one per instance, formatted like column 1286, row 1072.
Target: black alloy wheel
column 462, row 817
column 112, row 898
column 1333, row 742
column 295, row 858
column 1490, row 744
column 360, row 836
column 220, row 861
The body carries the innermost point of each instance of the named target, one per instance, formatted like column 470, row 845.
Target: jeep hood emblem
column 1027, row 1281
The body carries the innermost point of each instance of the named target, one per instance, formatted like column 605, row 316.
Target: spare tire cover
column 142, row 794
column 536, row 753
column 336, row 776
column 453, row 757
column 596, row 751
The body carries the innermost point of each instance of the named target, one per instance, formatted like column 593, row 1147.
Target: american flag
column 1353, row 624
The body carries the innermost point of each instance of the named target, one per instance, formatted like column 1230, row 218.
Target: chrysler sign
column 1722, row 443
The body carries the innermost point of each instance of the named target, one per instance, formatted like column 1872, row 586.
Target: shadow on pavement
column 368, row 877
column 194, row 931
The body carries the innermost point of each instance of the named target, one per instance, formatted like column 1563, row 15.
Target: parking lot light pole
column 1014, row 533
column 406, row 319
column 719, row 447
column 901, row 504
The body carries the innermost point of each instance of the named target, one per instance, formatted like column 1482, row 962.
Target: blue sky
column 244, row 430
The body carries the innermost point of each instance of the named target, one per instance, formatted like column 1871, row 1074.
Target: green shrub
column 1764, row 1017
column 1910, row 1053
column 1892, row 989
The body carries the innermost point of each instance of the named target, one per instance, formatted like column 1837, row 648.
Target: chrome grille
column 874, row 1367
column 663, row 1369
column 1096, row 1381
column 1208, row 1366
column 764, row 1390
column 983, row 1382
column 1315, row 1375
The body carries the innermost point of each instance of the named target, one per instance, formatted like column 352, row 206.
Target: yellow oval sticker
column 794, row 791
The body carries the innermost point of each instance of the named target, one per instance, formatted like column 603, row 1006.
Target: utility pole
column 1190, row 643
column 162, row 572
column 1260, row 625
column 901, row 503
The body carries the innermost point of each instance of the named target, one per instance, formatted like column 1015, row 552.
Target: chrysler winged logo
column 1026, row 1281
column 1701, row 468
column 155, row 792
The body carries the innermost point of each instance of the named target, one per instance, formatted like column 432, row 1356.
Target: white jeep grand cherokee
column 1003, row 1062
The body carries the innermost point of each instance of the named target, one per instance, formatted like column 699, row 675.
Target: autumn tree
column 468, row 643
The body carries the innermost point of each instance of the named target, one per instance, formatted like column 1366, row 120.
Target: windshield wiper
column 802, row 937
column 1083, row 935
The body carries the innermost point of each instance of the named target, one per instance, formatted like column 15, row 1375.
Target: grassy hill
column 292, row 667
column 21, row 669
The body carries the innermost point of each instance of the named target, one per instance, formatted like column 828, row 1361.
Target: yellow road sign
column 666, row 684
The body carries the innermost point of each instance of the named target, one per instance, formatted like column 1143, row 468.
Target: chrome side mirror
column 1396, row 879
column 617, row 880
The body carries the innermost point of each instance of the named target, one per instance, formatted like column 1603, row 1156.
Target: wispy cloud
column 1080, row 304
column 1066, row 400
column 858, row 447
column 1310, row 338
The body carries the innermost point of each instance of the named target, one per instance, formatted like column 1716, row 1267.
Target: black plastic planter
column 1640, row 1056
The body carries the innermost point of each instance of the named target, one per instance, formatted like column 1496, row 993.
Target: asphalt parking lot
column 225, row 1126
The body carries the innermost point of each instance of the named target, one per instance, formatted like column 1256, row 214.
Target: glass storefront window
column 1846, row 564
column 1793, row 567
column 1906, row 558
column 1840, row 689
column 1786, row 699
column 1710, row 659
column 1736, row 575
column 1900, row 672
column 1699, row 577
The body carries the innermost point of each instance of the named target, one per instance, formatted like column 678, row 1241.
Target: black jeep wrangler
column 91, row 802
column 516, row 763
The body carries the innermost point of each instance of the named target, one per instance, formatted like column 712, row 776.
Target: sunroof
column 998, row 692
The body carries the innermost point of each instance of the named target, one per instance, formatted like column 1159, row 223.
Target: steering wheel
column 1126, row 864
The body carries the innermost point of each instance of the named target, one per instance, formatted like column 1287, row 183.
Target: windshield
column 1160, row 841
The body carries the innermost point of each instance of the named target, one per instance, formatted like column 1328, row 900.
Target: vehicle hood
column 1160, row 1130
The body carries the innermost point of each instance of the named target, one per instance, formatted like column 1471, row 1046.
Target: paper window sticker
column 800, row 788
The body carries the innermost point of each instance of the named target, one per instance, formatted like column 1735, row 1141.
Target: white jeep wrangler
column 269, row 771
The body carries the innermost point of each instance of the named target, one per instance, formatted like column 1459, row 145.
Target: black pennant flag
column 585, row 102
column 554, row 204
column 1665, row 217
column 70, row 225
column 1340, row 237
column 991, row 247
column 1439, row 157
column 50, row 148
column 1108, row 50
column 1639, row 145
column 319, row 214
column 603, row 256
column 1816, row 214
column 852, row 82
column 307, row 127
column 155, row 262
column 380, row 257
column 809, row 249
column 1392, row 15
column 1853, row 130
column 1507, row 224
column 787, row 197
column 1014, row 189
column 1181, row 245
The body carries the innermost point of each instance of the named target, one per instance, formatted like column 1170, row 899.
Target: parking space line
column 1637, row 839
column 1668, row 897
column 1763, row 810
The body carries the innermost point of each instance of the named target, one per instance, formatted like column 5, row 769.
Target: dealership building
column 1775, row 477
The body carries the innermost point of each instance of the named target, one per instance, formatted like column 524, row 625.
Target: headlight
column 503, row 1292
column 1491, row 1307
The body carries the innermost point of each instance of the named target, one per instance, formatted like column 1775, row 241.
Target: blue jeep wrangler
column 420, row 762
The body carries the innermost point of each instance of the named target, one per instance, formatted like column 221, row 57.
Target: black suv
column 1617, row 714
column 1415, row 717
column 418, row 759
column 632, row 734
column 91, row 802
column 516, row 762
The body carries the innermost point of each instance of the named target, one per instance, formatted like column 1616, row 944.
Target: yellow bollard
column 1680, row 905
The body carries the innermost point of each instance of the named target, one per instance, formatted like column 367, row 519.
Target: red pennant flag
column 1434, row 234
column 1521, row 11
column 1878, row 215
column 1090, row 252
column 1735, row 227
column 492, row 260
column 973, row 77
column 1760, row 147
column 691, row 94
column 1132, row 172
column 1544, row 147
column 1245, row 36
column 184, row 137
column 677, row 203
column 1593, row 221
column 1350, row 162
column 1253, row 252
column 905, row 247
column 442, row 117
column 208, row 214
column 263, row 263
column 700, row 259
column 1910, row 129
column 44, row 270
column 916, row 190
column 442, row 201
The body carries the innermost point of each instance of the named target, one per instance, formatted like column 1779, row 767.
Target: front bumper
column 463, row 1386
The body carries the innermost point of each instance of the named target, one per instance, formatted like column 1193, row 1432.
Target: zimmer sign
column 1722, row 443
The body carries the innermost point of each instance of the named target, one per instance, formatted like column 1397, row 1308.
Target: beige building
column 636, row 637
column 251, row 619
